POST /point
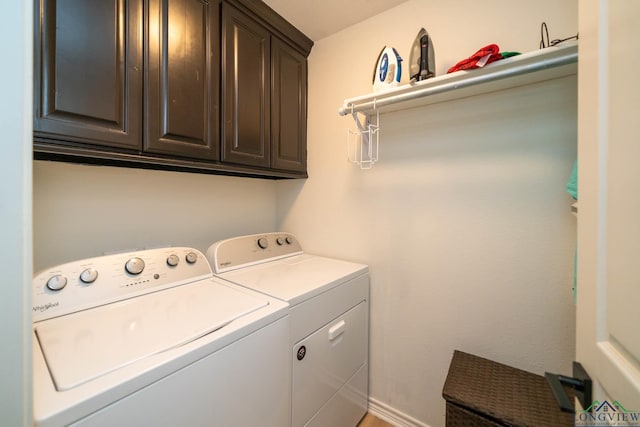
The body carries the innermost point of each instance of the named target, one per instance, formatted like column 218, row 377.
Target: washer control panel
column 92, row 282
column 243, row 251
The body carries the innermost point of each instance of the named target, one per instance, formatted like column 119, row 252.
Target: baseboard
column 392, row 415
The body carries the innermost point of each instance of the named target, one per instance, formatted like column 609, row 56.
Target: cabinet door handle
column 336, row 330
column 204, row 2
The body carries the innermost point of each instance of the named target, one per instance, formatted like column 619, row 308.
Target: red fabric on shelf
column 491, row 50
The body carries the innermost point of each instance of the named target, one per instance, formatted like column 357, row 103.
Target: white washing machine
column 151, row 338
column 329, row 313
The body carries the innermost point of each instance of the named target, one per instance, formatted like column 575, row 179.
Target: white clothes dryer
column 329, row 313
column 152, row 338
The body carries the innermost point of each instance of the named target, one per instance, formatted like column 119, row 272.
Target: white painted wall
column 82, row 211
column 15, row 215
column 464, row 221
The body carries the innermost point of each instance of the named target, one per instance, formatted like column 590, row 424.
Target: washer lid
column 297, row 278
column 85, row 345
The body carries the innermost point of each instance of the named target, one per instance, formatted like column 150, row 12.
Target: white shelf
column 544, row 64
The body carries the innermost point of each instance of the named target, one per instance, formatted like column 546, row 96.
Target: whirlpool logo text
column 45, row 307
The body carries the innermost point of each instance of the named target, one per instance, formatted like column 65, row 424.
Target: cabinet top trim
column 277, row 24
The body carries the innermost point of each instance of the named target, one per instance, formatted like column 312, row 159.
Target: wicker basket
column 480, row 392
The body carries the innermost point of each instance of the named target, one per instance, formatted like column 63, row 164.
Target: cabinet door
column 245, row 89
column 182, row 78
column 87, row 71
column 288, row 108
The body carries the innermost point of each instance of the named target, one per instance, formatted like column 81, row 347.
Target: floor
column 371, row 421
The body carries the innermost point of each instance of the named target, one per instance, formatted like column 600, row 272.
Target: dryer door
column 325, row 361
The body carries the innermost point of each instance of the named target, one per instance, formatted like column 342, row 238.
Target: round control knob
column 263, row 243
column 289, row 240
column 173, row 260
column 57, row 282
column 280, row 241
column 134, row 266
column 191, row 257
column 89, row 275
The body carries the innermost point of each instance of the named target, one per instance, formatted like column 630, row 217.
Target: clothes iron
column 388, row 70
column 422, row 59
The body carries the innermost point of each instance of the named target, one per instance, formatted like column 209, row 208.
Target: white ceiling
column 321, row 18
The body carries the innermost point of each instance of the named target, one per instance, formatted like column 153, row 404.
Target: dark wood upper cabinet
column 209, row 86
column 246, row 92
column 264, row 92
column 88, row 71
column 182, row 78
column 289, row 108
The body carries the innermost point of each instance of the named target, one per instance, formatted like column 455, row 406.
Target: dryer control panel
column 92, row 282
column 244, row 251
